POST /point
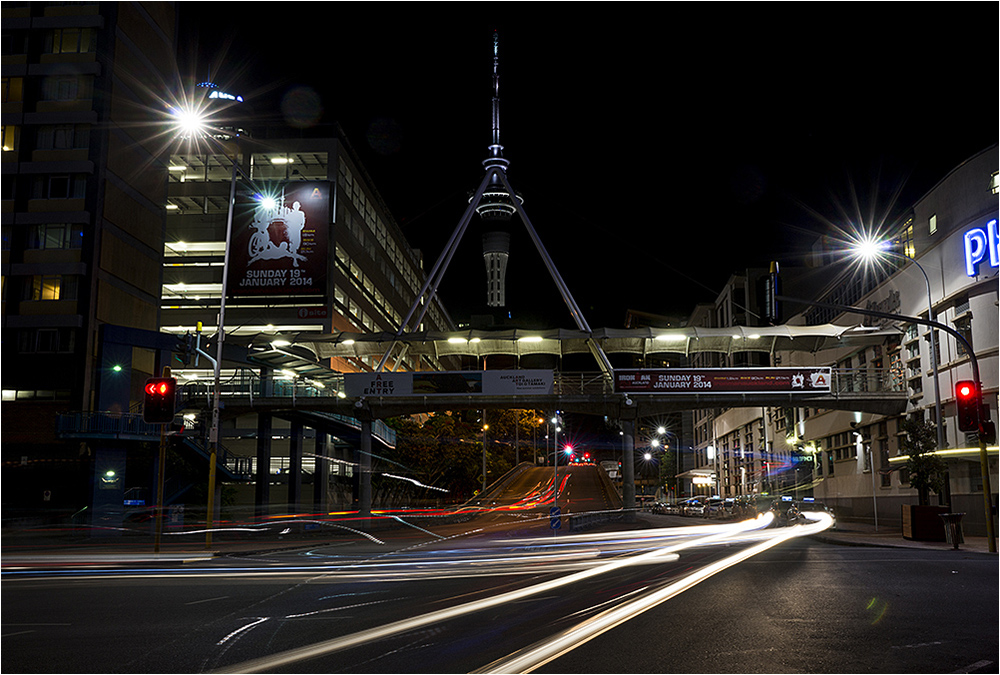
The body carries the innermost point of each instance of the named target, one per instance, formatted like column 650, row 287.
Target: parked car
column 715, row 508
column 693, row 507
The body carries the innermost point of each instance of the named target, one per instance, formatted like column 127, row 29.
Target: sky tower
column 496, row 206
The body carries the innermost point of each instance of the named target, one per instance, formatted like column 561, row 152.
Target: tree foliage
column 926, row 469
column 445, row 450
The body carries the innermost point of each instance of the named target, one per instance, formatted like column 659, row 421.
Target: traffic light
column 159, row 400
column 969, row 404
column 183, row 348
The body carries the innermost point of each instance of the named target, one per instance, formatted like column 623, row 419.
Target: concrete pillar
column 365, row 471
column 628, row 468
column 321, row 473
column 295, row 467
column 262, row 492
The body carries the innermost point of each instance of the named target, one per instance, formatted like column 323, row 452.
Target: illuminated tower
column 496, row 206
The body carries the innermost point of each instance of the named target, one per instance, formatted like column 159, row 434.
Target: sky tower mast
column 496, row 207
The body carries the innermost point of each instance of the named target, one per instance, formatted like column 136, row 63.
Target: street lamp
column 868, row 249
column 663, row 431
column 556, row 421
column 191, row 123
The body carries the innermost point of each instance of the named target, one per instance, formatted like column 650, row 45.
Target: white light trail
column 281, row 659
column 538, row 655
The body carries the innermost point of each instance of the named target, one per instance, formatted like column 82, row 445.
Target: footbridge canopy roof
column 561, row 342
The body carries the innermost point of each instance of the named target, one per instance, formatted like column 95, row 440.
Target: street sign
column 554, row 514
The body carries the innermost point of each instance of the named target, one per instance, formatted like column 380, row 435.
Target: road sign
column 554, row 513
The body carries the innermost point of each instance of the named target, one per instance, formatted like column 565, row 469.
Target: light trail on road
column 662, row 545
column 538, row 655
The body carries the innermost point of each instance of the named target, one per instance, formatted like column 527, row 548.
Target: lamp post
column 869, row 249
column 556, row 421
column 485, row 427
column 663, row 431
column 192, row 123
column 866, row 445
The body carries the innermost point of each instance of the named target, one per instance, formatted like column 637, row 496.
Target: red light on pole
column 969, row 404
column 159, row 400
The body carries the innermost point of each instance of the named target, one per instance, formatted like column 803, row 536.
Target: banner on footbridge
column 487, row 383
column 724, row 381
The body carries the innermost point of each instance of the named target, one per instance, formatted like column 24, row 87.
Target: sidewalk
column 890, row 535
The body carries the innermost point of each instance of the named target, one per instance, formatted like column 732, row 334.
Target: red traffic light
column 159, row 400
column 969, row 403
column 157, row 387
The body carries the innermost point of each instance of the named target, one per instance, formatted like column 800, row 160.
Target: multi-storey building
column 114, row 242
column 944, row 262
column 732, row 453
column 944, row 268
column 313, row 250
column 84, row 184
column 363, row 275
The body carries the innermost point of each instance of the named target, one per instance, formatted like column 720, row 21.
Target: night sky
column 658, row 147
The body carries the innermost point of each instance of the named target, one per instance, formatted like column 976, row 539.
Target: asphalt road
column 801, row 606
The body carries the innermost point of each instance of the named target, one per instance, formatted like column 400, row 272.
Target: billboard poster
column 724, row 381
column 282, row 250
column 453, row 383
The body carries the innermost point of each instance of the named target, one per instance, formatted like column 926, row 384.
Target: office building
column 84, row 184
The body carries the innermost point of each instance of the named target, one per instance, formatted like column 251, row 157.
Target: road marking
column 240, row 630
column 198, row 602
column 975, row 666
column 21, row 632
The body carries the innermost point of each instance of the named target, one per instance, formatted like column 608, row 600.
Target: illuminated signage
column 280, row 245
column 979, row 244
column 724, row 380
column 228, row 97
column 490, row 382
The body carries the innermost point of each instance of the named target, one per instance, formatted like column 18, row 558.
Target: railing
column 113, row 424
column 239, row 466
column 865, row 380
column 132, row 427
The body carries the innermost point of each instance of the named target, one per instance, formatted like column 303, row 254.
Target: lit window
column 51, row 287
column 932, row 225
column 9, row 134
column 70, row 41
column 11, row 89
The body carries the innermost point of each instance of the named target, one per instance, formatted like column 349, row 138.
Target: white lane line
column 20, row 632
column 236, row 632
column 198, row 602
column 975, row 666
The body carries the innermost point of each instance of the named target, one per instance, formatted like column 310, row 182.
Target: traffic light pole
column 984, row 465
column 160, row 471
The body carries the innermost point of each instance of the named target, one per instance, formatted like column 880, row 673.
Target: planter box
column 923, row 523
